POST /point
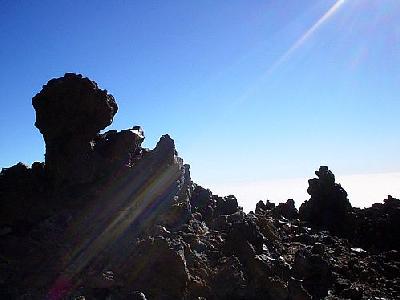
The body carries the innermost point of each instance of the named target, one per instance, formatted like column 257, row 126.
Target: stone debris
column 104, row 218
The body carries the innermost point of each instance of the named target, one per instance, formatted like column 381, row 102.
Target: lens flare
column 307, row 34
column 284, row 57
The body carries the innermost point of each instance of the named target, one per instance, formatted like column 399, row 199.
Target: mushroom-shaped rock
column 70, row 111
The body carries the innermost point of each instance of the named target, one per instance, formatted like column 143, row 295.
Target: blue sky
column 249, row 90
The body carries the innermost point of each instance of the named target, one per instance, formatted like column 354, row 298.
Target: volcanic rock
column 287, row 210
column 105, row 218
column 70, row 111
column 328, row 202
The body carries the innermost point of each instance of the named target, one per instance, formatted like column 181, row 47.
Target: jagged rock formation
column 104, row 218
column 377, row 227
column 328, row 202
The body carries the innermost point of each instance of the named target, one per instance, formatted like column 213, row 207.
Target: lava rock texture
column 105, row 218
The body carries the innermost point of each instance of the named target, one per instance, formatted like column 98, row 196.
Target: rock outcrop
column 376, row 227
column 328, row 206
column 70, row 112
column 105, row 218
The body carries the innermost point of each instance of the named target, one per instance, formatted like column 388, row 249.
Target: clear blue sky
column 249, row 90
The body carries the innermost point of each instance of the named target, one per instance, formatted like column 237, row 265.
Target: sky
column 256, row 94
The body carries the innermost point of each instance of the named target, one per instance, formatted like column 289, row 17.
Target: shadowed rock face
column 328, row 206
column 104, row 218
column 70, row 112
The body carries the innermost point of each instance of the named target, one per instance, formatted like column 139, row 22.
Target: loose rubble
column 105, row 218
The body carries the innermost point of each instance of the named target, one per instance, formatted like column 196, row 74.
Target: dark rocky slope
column 104, row 218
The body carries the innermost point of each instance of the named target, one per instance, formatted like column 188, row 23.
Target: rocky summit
column 105, row 218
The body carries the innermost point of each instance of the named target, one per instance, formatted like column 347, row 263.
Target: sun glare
column 308, row 34
column 297, row 44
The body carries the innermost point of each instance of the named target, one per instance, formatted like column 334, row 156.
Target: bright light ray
column 307, row 34
column 293, row 48
column 233, row 106
column 125, row 203
column 99, row 234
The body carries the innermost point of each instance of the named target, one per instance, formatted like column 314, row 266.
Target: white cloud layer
column 363, row 189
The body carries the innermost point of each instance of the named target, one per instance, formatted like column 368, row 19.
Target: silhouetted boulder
column 262, row 207
column 227, row 205
column 23, row 196
column 244, row 239
column 378, row 226
column 328, row 206
column 158, row 268
column 287, row 210
column 113, row 149
column 315, row 273
column 70, row 111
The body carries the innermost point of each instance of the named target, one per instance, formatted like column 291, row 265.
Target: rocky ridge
column 105, row 218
